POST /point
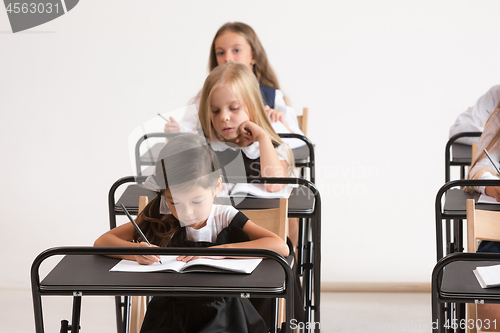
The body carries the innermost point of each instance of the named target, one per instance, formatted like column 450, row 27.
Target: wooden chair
column 481, row 225
column 138, row 304
column 274, row 220
column 303, row 120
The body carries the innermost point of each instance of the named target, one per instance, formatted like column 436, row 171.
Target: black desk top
column 90, row 274
column 459, row 281
column 456, row 201
column 461, row 153
column 300, row 202
column 301, row 154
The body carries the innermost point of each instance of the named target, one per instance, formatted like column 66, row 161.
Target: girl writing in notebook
column 188, row 177
column 482, row 168
column 238, row 42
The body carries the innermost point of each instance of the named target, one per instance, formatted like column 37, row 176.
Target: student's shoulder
column 224, row 211
column 495, row 89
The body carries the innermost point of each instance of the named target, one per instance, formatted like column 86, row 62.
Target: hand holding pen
column 171, row 126
column 492, row 191
column 140, row 233
column 491, row 160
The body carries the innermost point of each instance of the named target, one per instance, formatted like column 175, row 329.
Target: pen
column 136, row 227
column 491, row 160
column 164, row 118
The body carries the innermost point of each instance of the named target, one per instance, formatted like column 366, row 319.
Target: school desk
column 453, row 212
column 453, row 282
column 85, row 271
column 304, row 203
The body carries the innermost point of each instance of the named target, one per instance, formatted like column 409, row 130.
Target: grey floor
column 341, row 312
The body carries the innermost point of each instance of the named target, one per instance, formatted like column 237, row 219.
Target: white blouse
column 473, row 119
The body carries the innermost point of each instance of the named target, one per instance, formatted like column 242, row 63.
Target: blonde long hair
column 262, row 69
column 495, row 141
column 242, row 81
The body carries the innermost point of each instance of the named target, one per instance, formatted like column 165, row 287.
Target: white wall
column 387, row 78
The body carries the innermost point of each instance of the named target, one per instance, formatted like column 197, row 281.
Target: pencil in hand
column 491, row 160
column 137, row 227
column 164, row 118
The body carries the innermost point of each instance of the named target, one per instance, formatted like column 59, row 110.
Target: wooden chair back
column 303, row 120
column 481, row 225
column 138, row 304
column 474, row 152
column 274, row 220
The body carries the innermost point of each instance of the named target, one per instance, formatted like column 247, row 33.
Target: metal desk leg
column 77, row 308
column 37, row 307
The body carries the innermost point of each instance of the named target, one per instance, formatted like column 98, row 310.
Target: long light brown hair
column 495, row 141
column 240, row 79
column 262, row 69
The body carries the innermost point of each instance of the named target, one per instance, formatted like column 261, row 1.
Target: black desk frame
column 453, row 225
column 302, row 163
column 449, row 162
column 38, row 289
column 309, row 250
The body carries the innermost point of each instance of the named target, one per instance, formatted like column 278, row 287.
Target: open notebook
column 242, row 190
column 170, row 264
column 488, row 276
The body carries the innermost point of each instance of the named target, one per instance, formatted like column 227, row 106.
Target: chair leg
column 126, row 314
column 274, row 319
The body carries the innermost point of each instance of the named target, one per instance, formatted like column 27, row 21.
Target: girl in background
column 238, row 42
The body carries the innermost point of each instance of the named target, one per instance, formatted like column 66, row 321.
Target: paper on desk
column 486, row 199
column 488, row 276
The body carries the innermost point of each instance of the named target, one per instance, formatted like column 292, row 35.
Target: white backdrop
column 384, row 80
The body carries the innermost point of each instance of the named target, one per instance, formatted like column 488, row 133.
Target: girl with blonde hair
column 232, row 117
column 483, row 169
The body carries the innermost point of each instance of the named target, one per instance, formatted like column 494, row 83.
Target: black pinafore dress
column 206, row 314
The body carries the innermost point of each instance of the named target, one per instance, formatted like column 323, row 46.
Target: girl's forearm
column 265, row 243
column 270, row 164
column 110, row 240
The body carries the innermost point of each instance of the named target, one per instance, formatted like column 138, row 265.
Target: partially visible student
column 238, row 42
column 188, row 177
column 473, row 119
column 483, row 169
